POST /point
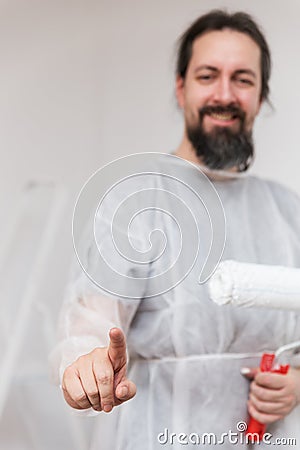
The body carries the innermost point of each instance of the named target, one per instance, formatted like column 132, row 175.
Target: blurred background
column 83, row 83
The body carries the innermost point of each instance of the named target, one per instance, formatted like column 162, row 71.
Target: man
column 186, row 353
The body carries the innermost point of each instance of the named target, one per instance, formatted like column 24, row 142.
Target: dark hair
column 218, row 20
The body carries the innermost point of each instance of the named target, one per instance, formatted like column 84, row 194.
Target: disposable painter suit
column 186, row 352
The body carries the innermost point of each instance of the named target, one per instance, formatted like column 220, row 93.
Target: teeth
column 222, row 116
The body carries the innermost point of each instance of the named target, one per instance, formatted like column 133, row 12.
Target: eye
column 205, row 78
column 245, row 81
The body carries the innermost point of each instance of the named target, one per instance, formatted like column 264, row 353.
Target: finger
column 268, row 407
column 125, row 390
column 249, row 372
column 69, row 400
column 89, row 385
column 271, row 380
column 117, row 348
column 262, row 417
column 73, row 389
column 266, row 394
column 104, row 376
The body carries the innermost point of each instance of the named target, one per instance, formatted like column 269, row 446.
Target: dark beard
column 222, row 148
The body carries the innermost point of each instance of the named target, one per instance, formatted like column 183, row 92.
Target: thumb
column 117, row 348
column 250, row 372
column 125, row 390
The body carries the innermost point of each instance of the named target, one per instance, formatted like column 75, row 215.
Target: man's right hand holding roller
column 98, row 379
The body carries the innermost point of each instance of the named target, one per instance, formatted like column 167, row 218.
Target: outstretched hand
column 98, row 379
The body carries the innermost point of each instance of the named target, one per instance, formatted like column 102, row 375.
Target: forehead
column 226, row 49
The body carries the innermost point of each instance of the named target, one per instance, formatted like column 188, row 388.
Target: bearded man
column 187, row 355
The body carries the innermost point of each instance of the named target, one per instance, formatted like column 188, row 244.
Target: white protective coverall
column 186, row 352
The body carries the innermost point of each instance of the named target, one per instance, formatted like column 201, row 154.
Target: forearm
column 84, row 325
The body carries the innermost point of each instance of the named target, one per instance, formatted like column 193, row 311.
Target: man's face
column 220, row 95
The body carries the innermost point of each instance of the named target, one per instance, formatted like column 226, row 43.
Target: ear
column 261, row 101
column 180, row 91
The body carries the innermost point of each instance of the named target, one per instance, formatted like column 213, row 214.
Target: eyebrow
column 206, row 67
column 246, row 71
column 237, row 72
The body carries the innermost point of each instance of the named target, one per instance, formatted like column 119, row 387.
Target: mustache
column 235, row 111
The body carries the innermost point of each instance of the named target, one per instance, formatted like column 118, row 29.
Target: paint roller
column 257, row 285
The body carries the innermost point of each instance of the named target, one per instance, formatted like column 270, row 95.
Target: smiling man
column 187, row 354
column 221, row 89
column 223, row 71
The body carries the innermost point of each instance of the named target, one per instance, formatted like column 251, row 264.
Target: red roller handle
column 255, row 427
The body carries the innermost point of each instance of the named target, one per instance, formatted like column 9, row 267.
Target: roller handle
column 266, row 363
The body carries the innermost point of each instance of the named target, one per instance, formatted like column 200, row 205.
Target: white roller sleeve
column 255, row 285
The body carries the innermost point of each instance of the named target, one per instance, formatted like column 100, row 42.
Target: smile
column 226, row 116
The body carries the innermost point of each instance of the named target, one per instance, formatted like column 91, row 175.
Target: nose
column 224, row 92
